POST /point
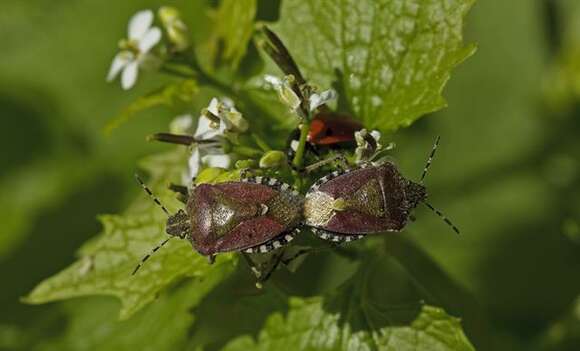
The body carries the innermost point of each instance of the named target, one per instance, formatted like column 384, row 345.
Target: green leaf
column 93, row 324
column 172, row 95
column 360, row 315
column 234, row 21
column 106, row 263
column 390, row 58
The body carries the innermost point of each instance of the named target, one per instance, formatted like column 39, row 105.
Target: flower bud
column 246, row 164
column 181, row 125
column 284, row 89
column 273, row 159
column 177, row 31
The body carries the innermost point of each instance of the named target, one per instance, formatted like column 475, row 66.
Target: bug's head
column 178, row 224
column 415, row 193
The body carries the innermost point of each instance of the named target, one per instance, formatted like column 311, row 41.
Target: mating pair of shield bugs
column 260, row 214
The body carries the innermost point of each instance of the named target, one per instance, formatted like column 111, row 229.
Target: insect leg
column 181, row 190
column 339, row 158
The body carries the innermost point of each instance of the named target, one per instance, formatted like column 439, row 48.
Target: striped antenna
column 146, row 257
column 445, row 219
column 430, row 159
column 150, row 193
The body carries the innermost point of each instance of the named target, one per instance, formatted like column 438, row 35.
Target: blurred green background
column 507, row 171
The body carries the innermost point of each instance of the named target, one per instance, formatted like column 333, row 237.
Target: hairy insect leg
column 182, row 192
column 263, row 275
column 340, row 159
column 275, row 262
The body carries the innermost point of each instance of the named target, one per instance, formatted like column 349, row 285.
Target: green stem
column 298, row 160
column 261, row 143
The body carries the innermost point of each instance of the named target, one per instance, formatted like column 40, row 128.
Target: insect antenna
column 146, row 257
column 445, row 219
column 430, row 159
column 150, row 193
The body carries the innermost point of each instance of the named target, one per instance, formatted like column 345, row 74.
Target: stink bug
column 255, row 215
column 327, row 129
column 348, row 204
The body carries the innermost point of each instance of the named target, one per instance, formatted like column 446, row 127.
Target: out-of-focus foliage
column 507, row 172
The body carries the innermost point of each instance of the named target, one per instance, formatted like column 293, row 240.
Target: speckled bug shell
column 239, row 216
column 372, row 199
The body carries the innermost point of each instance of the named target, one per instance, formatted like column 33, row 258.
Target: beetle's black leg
column 289, row 260
column 257, row 272
column 181, row 190
column 263, row 278
column 211, row 259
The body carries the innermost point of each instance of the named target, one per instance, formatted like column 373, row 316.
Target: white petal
column 120, row 61
column 139, row 23
column 317, row 100
column 228, row 103
column 273, row 80
column 149, row 40
column 376, row 135
column 204, row 131
column 129, row 76
column 181, row 124
column 213, row 106
column 221, row 161
column 194, row 163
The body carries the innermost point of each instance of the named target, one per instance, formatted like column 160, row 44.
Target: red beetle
column 327, row 129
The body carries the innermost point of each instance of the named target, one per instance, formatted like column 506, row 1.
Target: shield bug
column 255, row 215
column 348, row 204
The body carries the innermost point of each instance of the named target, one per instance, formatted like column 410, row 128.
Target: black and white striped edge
column 271, row 182
column 275, row 243
column 335, row 237
column 328, row 177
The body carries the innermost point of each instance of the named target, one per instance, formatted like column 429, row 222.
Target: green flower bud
column 177, row 31
column 273, row 159
column 235, row 120
column 244, row 164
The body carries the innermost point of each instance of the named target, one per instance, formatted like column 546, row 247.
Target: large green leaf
column 360, row 315
column 93, row 324
column 106, row 263
column 391, row 57
column 309, row 327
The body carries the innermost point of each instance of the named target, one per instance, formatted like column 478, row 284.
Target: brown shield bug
column 254, row 215
column 348, row 204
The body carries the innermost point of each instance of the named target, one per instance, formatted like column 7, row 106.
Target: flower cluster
column 216, row 123
column 142, row 36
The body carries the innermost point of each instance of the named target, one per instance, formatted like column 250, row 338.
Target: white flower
column 182, row 124
column 221, row 117
column 177, row 31
column 134, row 50
column 284, row 89
column 317, row 100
